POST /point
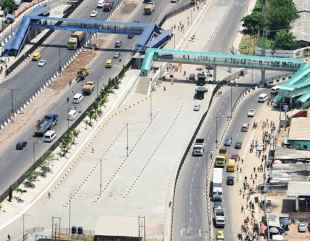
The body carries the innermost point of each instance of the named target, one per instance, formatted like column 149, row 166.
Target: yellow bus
column 231, row 165
column 220, row 161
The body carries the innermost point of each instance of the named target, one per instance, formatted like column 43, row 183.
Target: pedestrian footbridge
column 296, row 88
column 150, row 35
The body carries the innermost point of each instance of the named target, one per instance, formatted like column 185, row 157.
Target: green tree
column 279, row 15
column 253, row 23
column 8, row 5
column 284, row 40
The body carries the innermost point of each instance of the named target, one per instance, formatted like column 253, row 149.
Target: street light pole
column 127, row 141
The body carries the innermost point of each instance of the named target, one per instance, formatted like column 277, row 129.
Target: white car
column 196, row 107
column 302, row 227
column 42, row 62
column 93, row 13
column 251, row 113
column 77, row 98
column 49, row 136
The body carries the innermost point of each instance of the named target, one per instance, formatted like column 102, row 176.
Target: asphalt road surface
column 14, row 163
column 190, row 202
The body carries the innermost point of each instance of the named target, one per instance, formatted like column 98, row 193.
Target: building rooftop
column 300, row 129
column 291, row 154
column 301, row 27
column 298, row 189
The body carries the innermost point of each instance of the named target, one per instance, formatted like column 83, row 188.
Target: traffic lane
column 14, row 163
column 183, row 188
column 230, row 26
column 240, row 117
column 31, row 77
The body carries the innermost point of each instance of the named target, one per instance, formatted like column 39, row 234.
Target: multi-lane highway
column 12, row 163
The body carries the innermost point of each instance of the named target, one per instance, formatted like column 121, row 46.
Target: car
column 251, row 112
column 21, row 145
column 108, row 63
column 238, row 145
column 230, row 180
column 245, row 127
column 131, row 35
column 192, row 77
column 42, row 62
column 49, row 136
column 173, row 1
column 116, row 55
column 228, row 141
column 196, row 107
column 77, row 98
column 217, row 204
column 36, row 55
column 93, row 13
column 302, row 227
column 118, row 44
column 219, row 235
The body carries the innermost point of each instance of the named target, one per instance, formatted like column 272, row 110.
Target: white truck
column 199, row 147
column 217, row 184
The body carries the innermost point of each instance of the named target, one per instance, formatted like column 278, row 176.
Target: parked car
column 302, row 227
column 238, row 145
column 117, row 55
column 49, row 136
column 77, row 98
column 118, row 44
column 21, row 145
column 228, row 141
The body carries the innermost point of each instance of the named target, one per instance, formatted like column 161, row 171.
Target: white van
column 262, row 98
column 100, row 3
column 72, row 114
column 49, row 136
column 77, row 98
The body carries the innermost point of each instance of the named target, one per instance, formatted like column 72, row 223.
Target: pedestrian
column 9, row 237
column 49, row 195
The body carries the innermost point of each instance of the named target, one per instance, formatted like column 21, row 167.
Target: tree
column 8, row 5
column 284, row 40
column 279, row 15
column 253, row 23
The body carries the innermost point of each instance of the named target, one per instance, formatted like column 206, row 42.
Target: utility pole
column 23, row 227
column 127, row 141
column 151, row 105
column 100, row 176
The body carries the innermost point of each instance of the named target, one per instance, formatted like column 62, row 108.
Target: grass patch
column 247, row 45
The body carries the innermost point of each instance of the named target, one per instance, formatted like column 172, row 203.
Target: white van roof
column 49, row 133
column 77, row 95
column 263, row 95
column 72, row 112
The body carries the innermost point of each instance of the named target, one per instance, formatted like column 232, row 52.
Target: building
column 300, row 192
column 299, row 134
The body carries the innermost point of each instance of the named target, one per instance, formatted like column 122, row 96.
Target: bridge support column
column 214, row 73
column 263, row 77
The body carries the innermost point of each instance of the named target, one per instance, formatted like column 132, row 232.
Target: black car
column 238, row 145
column 230, row 180
column 21, row 145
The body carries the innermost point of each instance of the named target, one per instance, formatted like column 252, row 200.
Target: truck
column 198, row 148
column 88, row 87
column 149, row 7
column 107, row 5
column 76, row 39
column 47, row 123
column 217, row 183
